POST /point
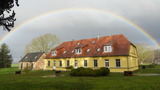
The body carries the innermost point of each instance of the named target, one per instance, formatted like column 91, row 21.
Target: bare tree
column 145, row 53
column 157, row 56
column 42, row 43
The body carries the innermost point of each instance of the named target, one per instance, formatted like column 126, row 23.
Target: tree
column 5, row 56
column 5, row 7
column 157, row 56
column 42, row 43
column 145, row 53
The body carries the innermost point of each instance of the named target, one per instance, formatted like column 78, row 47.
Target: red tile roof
column 120, row 46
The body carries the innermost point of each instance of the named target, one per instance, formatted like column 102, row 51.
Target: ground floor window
column 95, row 63
column 48, row 63
column 118, row 64
column 27, row 65
column 21, row 65
column 85, row 63
column 60, row 63
column 32, row 66
column 106, row 62
column 76, row 63
column 54, row 63
column 68, row 63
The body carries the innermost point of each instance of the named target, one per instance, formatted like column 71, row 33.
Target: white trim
column 107, row 48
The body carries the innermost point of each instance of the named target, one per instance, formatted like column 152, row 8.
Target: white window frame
column 107, row 48
column 79, row 51
column 67, row 63
column 54, row 53
column 60, row 63
column 54, row 63
column 75, row 63
column 105, row 63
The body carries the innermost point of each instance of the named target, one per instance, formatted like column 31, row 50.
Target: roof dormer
column 78, row 50
column 54, row 53
column 107, row 49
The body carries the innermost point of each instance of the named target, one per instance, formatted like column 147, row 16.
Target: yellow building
column 115, row 52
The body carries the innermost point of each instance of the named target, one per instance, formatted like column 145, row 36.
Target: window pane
column 95, row 63
column 60, row 63
column 85, row 63
column 118, row 63
column 68, row 63
column 48, row 63
column 75, row 63
column 107, row 48
column 106, row 62
column 54, row 63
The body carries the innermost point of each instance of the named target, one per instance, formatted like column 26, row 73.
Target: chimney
column 98, row 36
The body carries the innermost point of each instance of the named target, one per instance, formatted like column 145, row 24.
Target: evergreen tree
column 5, row 56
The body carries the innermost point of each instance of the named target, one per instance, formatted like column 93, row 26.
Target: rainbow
column 63, row 11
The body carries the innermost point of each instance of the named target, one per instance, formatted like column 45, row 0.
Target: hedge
column 81, row 71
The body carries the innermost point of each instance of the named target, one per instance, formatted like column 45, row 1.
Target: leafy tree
column 145, row 53
column 5, row 7
column 42, row 43
column 5, row 56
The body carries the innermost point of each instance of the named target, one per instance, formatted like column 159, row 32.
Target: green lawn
column 34, row 80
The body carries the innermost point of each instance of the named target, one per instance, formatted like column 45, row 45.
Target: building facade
column 32, row 61
column 114, row 52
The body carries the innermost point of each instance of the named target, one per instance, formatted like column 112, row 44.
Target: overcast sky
column 83, row 24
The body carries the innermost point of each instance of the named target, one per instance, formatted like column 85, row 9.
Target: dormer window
column 54, row 53
column 107, row 48
column 78, row 50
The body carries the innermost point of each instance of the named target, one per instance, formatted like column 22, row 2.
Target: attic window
column 64, row 52
column 93, row 42
column 78, row 51
column 98, row 49
column 88, row 50
column 54, row 53
column 107, row 48
column 78, row 43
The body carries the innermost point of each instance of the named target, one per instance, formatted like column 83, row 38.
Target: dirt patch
column 148, row 74
column 48, row 76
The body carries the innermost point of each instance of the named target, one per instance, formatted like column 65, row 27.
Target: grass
column 34, row 80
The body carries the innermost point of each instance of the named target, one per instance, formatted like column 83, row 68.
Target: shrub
column 104, row 71
column 69, row 68
column 74, row 72
column 89, row 72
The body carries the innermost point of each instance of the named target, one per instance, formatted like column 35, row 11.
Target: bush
column 104, row 71
column 89, row 72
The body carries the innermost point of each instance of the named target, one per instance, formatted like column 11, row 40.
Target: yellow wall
column 127, row 63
